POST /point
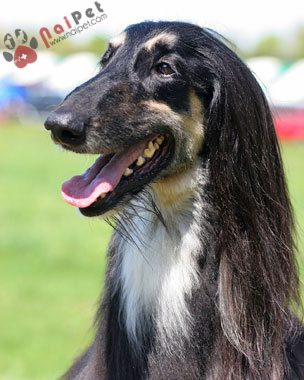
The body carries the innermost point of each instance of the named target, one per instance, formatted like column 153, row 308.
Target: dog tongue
column 103, row 176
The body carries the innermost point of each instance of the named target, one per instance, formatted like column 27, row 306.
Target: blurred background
column 52, row 260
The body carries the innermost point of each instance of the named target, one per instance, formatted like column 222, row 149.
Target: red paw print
column 23, row 54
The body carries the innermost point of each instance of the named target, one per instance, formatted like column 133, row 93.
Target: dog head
column 167, row 93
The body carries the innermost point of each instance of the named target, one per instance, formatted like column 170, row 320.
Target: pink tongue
column 103, row 176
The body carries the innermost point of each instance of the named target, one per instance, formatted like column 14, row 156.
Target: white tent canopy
column 73, row 71
column 288, row 89
column 265, row 69
column 62, row 75
column 31, row 74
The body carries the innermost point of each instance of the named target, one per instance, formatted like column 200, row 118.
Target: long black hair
column 258, row 280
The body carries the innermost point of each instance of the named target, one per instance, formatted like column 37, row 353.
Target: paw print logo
column 20, row 53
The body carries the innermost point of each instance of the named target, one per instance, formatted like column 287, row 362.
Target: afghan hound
column 202, row 281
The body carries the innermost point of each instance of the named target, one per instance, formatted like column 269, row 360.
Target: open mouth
column 115, row 176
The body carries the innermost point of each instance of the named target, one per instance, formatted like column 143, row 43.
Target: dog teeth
column 128, row 172
column 160, row 140
column 148, row 152
column 140, row 161
column 101, row 196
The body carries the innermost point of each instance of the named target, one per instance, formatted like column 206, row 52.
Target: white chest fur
column 158, row 271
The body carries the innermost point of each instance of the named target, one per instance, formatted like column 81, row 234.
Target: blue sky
column 242, row 21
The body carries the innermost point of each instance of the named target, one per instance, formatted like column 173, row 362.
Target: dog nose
column 66, row 128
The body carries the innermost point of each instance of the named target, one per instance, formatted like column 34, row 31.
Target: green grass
column 293, row 156
column 52, row 260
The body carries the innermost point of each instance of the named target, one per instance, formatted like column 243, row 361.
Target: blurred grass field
column 52, row 260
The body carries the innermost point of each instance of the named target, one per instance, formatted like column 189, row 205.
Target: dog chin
column 104, row 215
column 107, row 215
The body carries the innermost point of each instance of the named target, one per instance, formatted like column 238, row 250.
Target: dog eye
column 164, row 69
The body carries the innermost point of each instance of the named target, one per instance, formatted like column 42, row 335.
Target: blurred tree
column 65, row 47
column 299, row 44
column 97, row 45
column 270, row 45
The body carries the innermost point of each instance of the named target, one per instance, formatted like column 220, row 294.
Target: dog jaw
column 174, row 190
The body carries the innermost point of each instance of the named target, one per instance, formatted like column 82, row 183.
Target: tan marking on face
column 118, row 40
column 193, row 124
column 165, row 38
column 163, row 109
column 173, row 191
column 160, row 107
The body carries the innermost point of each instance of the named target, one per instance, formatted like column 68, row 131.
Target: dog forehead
column 147, row 35
column 165, row 38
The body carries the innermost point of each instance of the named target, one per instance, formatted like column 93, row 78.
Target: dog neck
column 158, row 269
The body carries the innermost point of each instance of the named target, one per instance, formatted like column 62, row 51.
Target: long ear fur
column 258, row 278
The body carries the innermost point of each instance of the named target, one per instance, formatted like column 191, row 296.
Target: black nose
column 66, row 128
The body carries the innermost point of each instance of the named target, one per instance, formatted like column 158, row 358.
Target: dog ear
column 244, row 157
column 257, row 275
